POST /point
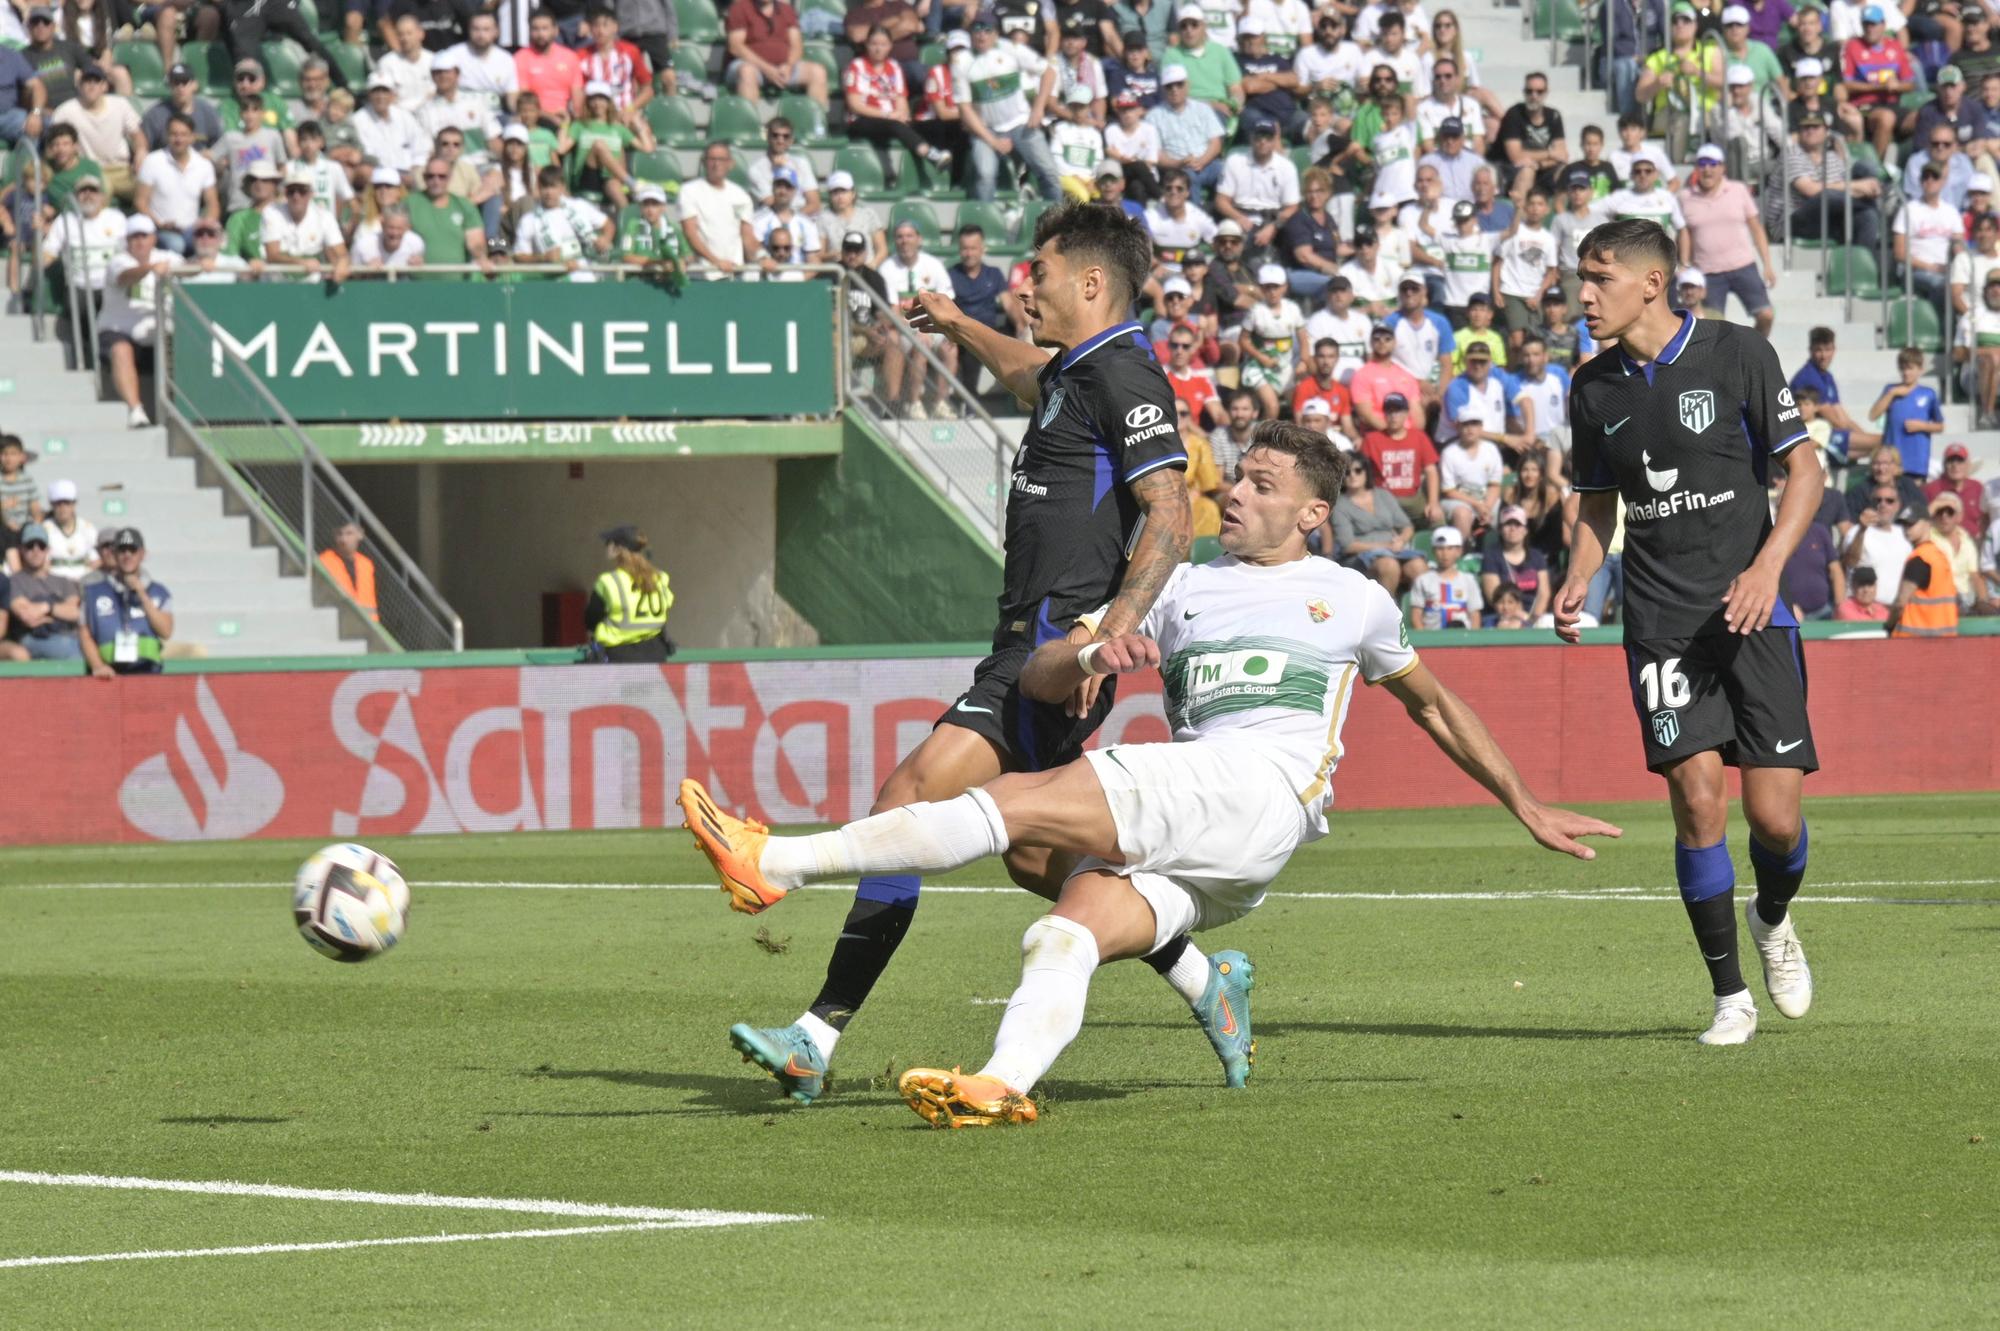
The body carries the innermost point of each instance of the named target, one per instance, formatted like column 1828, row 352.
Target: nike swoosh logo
column 1788, row 745
column 1228, row 1017
column 792, row 1068
column 963, row 708
column 1610, row 430
column 1189, row 614
column 1717, row 957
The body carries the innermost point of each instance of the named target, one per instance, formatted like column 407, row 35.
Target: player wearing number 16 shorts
column 1682, row 424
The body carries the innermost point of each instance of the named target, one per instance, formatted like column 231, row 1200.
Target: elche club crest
column 1698, row 409
column 1319, row 610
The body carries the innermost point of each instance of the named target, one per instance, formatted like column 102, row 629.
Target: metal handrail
column 32, row 269
column 313, row 466
column 83, row 311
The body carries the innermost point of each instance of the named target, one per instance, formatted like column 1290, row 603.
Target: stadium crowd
column 1351, row 228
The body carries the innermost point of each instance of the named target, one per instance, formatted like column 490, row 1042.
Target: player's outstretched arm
column 1166, row 530
column 1457, row 730
column 1013, row 362
column 1057, row 669
column 1590, row 537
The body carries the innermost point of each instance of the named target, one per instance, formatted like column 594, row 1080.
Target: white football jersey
column 1270, row 657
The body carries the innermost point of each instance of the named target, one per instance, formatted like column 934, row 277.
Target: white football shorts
column 1204, row 828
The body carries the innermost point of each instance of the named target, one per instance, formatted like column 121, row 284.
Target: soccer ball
column 350, row 903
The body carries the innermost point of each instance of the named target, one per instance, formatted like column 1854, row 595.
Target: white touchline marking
column 254, row 1249
column 425, row 1200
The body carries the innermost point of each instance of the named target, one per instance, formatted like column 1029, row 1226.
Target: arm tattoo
column 1163, row 545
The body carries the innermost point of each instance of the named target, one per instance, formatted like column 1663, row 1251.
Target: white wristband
column 1086, row 658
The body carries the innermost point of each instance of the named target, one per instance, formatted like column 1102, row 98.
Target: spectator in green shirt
column 595, row 145
column 66, row 165
column 1761, row 60
column 244, row 235
column 1213, row 75
column 543, row 144
column 451, row 227
column 649, row 239
column 270, row 112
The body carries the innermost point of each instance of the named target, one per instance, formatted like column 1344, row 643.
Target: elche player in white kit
column 1260, row 652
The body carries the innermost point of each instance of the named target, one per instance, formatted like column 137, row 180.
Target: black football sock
column 873, row 930
column 1708, row 890
column 1164, row 959
column 1779, row 873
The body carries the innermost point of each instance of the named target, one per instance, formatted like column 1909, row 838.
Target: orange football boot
column 959, row 1100
column 734, row 846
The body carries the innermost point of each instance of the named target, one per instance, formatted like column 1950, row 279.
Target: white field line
column 1814, row 893
column 255, row 1249
column 429, row 1201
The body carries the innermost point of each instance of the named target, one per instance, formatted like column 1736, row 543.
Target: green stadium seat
column 736, row 120
column 691, row 62
column 1563, row 15
column 988, row 217
column 865, row 165
column 281, row 66
column 918, row 212
column 211, row 64
column 143, row 60
column 353, row 62
column 1204, row 548
column 741, row 175
column 1912, row 321
column 808, row 120
column 931, row 54
column 823, row 55
column 1031, row 213
column 673, row 121
column 660, row 165
column 1854, row 267
column 698, row 20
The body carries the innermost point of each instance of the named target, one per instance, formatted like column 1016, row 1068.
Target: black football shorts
column 1744, row 694
column 1034, row 736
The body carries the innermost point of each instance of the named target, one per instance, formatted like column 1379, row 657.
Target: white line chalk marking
column 255, row 1249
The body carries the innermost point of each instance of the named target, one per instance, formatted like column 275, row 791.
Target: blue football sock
column 1779, row 873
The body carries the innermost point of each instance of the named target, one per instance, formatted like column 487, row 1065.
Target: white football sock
column 1189, row 976
column 917, row 838
column 824, row 1037
column 1046, row 1012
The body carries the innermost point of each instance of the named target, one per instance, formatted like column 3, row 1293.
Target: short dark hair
column 549, row 175
column 1589, row 130
column 1392, row 19
column 779, row 122
column 1535, row 339
column 1822, row 336
column 596, row 12
column 1323, row 344
column 1631, row 121
column 1103, row 234
column 1633, row 241
column 177, row 118
column 1313, row 455
column 1806, row 395
column 972, row 229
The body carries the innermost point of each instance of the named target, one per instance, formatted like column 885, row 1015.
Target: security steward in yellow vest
column 627, row 611
column 1927, row 602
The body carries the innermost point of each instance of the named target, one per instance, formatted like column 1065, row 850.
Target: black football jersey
column 1687, row 440
column 1104, row 417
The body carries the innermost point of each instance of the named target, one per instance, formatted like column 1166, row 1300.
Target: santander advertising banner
column 388, row 752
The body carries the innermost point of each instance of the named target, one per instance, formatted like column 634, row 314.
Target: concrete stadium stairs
column 231, row 597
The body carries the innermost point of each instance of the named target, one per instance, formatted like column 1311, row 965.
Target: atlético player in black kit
column 1097, row 516
column 1682, row 424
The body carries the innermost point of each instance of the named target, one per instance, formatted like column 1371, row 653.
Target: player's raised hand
column 1749, row 599
column 929, row 312
column 1558, row 829
column 1126, row 654
column 1568, row 609
column 1084, row 696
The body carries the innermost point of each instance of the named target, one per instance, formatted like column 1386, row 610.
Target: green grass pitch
column 1487, row 1111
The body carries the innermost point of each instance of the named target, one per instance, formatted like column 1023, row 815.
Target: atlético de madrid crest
column 1054, row 405
column 1698, row 410
column 1666, row 729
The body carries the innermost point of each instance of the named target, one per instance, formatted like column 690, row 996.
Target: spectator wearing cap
column 53, row 57
column 809, row 245
column 648, row 239
column 595, row 144
column 1078, row 146
column 1978, row 203
column 846, row 214
column 1385, row 372
column 1108, row 181
column 1268, row 347
column 1405, row 460
column 87, row 239
column 1444, row 597
column 1751, row 128
column 183, row 98
column 999, row 106
column 1132, row 144
column 1683, row 62
column 1877, row 71
column 1489, row 392
column 126, row 325
column 1926, row 604
column 107, row 127
column 451, row 107
column 406, row 66
column 1951, row 107
column 613, row 60
column 1957, row 479
column 1510, row 562
column 781, row 150
column 250, row 102
column 299, row 233
column 1341, row 323
column 45, row 607
column 1466, row 255
column 1940, row 149
column 1861, row 605
column 1271, row 84
column 243, row 234
column 1214, row 76
column 1190, row 133
column 388, row 133
column 1977, row 352
column 351, row 571
column 1922, row 234
column 1259, row 189
column 1371, row 533
column 1078, row 67
column 936, row 108
column 1724, row 239
column 1134, row 74
column 1740, row 51
column 873, row 340
column 177, row 187
column 1454, row 162
column 127, row 617
column 1961, row 549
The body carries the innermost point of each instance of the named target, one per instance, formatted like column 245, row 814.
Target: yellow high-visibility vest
column 631, row 615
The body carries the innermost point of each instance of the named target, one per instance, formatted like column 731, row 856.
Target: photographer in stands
column 127, row 617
